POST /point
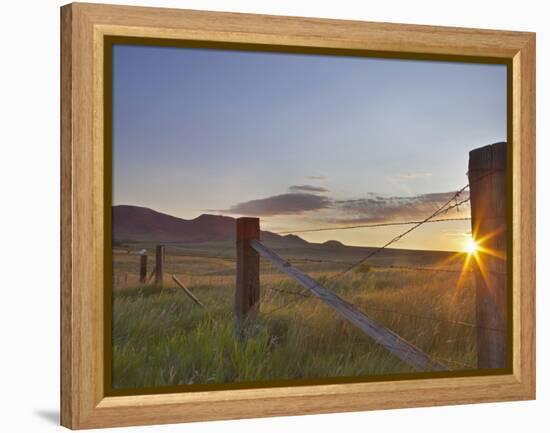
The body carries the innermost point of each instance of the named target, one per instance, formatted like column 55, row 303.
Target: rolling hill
column 140, row 224
column 139, row 227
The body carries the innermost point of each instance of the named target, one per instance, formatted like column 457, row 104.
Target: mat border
column 85, row 189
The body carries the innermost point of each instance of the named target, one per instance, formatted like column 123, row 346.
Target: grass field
column 160, row 337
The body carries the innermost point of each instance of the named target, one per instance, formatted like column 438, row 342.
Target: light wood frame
column 83, row 401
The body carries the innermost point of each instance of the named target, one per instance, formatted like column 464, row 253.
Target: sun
column 470, row 246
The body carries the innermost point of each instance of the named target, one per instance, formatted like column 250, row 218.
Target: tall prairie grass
column 160, row 337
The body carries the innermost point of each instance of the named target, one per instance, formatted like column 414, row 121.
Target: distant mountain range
column 135, row 224
column 141, row 224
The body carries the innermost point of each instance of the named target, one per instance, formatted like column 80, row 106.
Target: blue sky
column 300, row 140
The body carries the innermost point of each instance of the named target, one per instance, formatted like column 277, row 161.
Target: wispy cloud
column 456, row 234
column 372, row 207
column 283, row 204
column 306, row 188
column 413, row 176
column 316, row 177
column 375, row 208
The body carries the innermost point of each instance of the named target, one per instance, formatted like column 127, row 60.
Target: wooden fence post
column 487, row 179
column 159, row 265
column 247, row 293
column 143, row 268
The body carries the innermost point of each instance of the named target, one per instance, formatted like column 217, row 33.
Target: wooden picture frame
column 84, row 28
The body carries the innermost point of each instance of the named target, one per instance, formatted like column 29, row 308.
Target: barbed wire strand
column 403, row 314
column 373, row 225
column 442, row 209
column 336, row 262
column 396, row 223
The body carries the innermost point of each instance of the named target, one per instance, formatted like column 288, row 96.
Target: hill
column 139, row 227
column 140, row 224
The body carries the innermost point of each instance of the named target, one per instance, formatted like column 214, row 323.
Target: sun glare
column 470, row 246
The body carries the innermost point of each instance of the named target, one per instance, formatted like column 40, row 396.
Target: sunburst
column 470, row 246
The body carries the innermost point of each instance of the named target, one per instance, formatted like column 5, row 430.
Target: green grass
column 160, row 337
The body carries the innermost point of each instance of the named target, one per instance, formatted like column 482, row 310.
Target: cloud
column 376, row 208
column 413, row 176
column 283, row 204
column 371, row 208
column 316, row 177
column 456, row 234
column 307, row 188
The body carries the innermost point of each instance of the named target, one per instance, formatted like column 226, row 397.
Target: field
column 160, row 337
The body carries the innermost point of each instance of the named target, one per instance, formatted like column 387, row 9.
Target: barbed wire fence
column 452, row 203
column 300, row 296
column 271, row 294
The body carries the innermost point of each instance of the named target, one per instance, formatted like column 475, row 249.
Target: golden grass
column 161, row 338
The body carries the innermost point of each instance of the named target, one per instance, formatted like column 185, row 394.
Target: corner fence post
column 488, row 180
column 142, row 268
column 247, row 292
column 159, row 265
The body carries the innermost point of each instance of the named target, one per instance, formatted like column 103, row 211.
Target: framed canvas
column 267, row 215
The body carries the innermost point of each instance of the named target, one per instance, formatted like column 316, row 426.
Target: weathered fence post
column 143, row 268
column 159, row 265
column 247, row 293
column 487, row 179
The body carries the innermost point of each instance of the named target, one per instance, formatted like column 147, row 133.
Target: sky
column 302, row 141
